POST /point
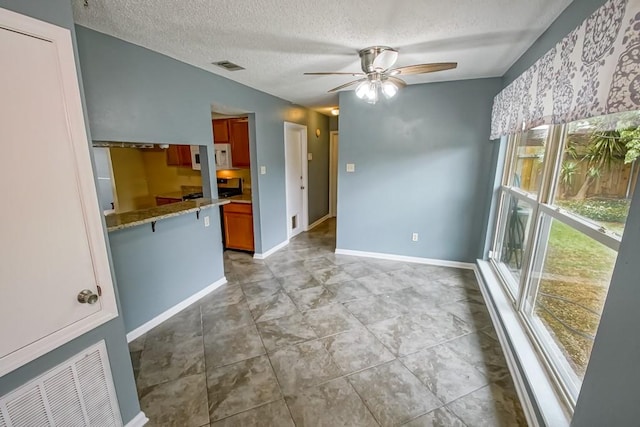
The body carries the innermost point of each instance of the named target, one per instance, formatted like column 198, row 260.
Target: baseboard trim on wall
column 404, row 258
column 318, row 222
column 271, row 251
column 138, row 421
column 146, row 327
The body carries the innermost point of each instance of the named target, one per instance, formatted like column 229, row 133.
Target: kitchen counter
column 241, row 198
column 184, row 191
column 122, row 220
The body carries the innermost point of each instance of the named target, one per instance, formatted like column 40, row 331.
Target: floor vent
column 78, row 392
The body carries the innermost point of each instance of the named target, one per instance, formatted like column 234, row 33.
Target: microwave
column 195, row 157
column 222, row 154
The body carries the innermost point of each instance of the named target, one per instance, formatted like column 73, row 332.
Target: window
column 563, row 207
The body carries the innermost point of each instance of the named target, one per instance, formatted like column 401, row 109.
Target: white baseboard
column 138, row 421
column 143, row 329
column 417, row 260
column 318, row 222
column 271, row 251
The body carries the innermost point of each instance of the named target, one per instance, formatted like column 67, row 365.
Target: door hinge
column 99, row 290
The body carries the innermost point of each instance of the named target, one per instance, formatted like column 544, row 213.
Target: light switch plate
column 351, row 167
column 309, row 156
column 206, row 221
column 263, row 170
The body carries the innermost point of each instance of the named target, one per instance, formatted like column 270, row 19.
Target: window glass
column 528, row 158
column 570, row 279
column 510, row 250
column 598, row 172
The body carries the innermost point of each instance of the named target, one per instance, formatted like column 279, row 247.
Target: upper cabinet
column 236, row 133
column 179, row 155
column 220, row 131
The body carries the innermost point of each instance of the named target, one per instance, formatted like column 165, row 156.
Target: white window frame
column 523, row 292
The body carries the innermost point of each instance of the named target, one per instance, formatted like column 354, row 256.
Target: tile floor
column 309, row 338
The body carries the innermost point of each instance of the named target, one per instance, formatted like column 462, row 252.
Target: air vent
column 228, row 65
column 79, row 392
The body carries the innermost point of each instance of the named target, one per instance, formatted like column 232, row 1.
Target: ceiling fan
column 378, row 76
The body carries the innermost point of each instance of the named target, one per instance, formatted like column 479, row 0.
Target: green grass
column 577, row 271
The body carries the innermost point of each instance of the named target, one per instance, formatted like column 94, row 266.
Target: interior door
column 52, row 244
column 294, row 181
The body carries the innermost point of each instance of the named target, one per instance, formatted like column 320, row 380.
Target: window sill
column 540, row 402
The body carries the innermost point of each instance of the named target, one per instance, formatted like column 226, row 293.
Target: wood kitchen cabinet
column 179, row 155
column 239, row 139
column 220, row 131
column 236, row 133
column 237, row 220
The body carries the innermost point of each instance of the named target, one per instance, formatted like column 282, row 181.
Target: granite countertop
column 118, row 221
column 184, row 190
column 241, row 198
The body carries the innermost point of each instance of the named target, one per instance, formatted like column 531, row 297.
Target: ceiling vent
column 228, row 65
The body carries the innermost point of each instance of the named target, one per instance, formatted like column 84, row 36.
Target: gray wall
column 319, row 166
column 155, row 271
column 58, row 12
column 134, row 94
column 423, row 164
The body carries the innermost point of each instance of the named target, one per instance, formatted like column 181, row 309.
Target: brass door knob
column 87, row 297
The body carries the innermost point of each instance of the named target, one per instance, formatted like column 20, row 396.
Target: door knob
column 87, row 297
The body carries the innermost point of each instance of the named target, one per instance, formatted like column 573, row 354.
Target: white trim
column 333, row 144
column 146, row 327
column 517, row 347
column 417, row 260
column 318, row 222
column 92, row 214
column 138, row 421
column 271, row 251
column 305, row 176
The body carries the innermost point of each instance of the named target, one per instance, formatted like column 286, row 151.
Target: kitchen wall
column 163, row 178
column 58, row 12
column 130, row 178
column 134, row 94
column 612, row 381
column 245, row 174
column 422, row 165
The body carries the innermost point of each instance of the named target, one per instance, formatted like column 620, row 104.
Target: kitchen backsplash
column 245, row 174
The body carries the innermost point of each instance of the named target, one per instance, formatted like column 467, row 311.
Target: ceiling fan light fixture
column 389, row 89
column 363, row 89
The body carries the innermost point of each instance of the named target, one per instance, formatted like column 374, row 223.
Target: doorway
column 295, row 150
column 333, row 174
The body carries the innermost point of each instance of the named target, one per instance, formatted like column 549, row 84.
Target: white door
column 333, row 174
column 295, row 143
column 52, row 245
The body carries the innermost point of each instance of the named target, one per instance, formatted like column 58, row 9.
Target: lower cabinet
column 237, row 219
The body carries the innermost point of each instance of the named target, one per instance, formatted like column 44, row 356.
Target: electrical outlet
column 351, row 167
column 309, row 156
column 206, row 221
column 414, row 237
column 263, row 170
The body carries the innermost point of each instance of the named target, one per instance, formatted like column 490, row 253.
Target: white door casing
column 295, row 147
column 333, row 173
column 53, row 244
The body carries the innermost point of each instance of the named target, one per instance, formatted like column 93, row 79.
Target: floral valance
column 593, row 71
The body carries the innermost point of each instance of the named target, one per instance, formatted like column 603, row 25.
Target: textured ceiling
column 277, row 40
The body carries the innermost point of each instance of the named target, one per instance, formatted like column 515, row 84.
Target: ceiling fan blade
column 335, row 89
column 401, row 83
column 328, row 73
column 423, row 68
